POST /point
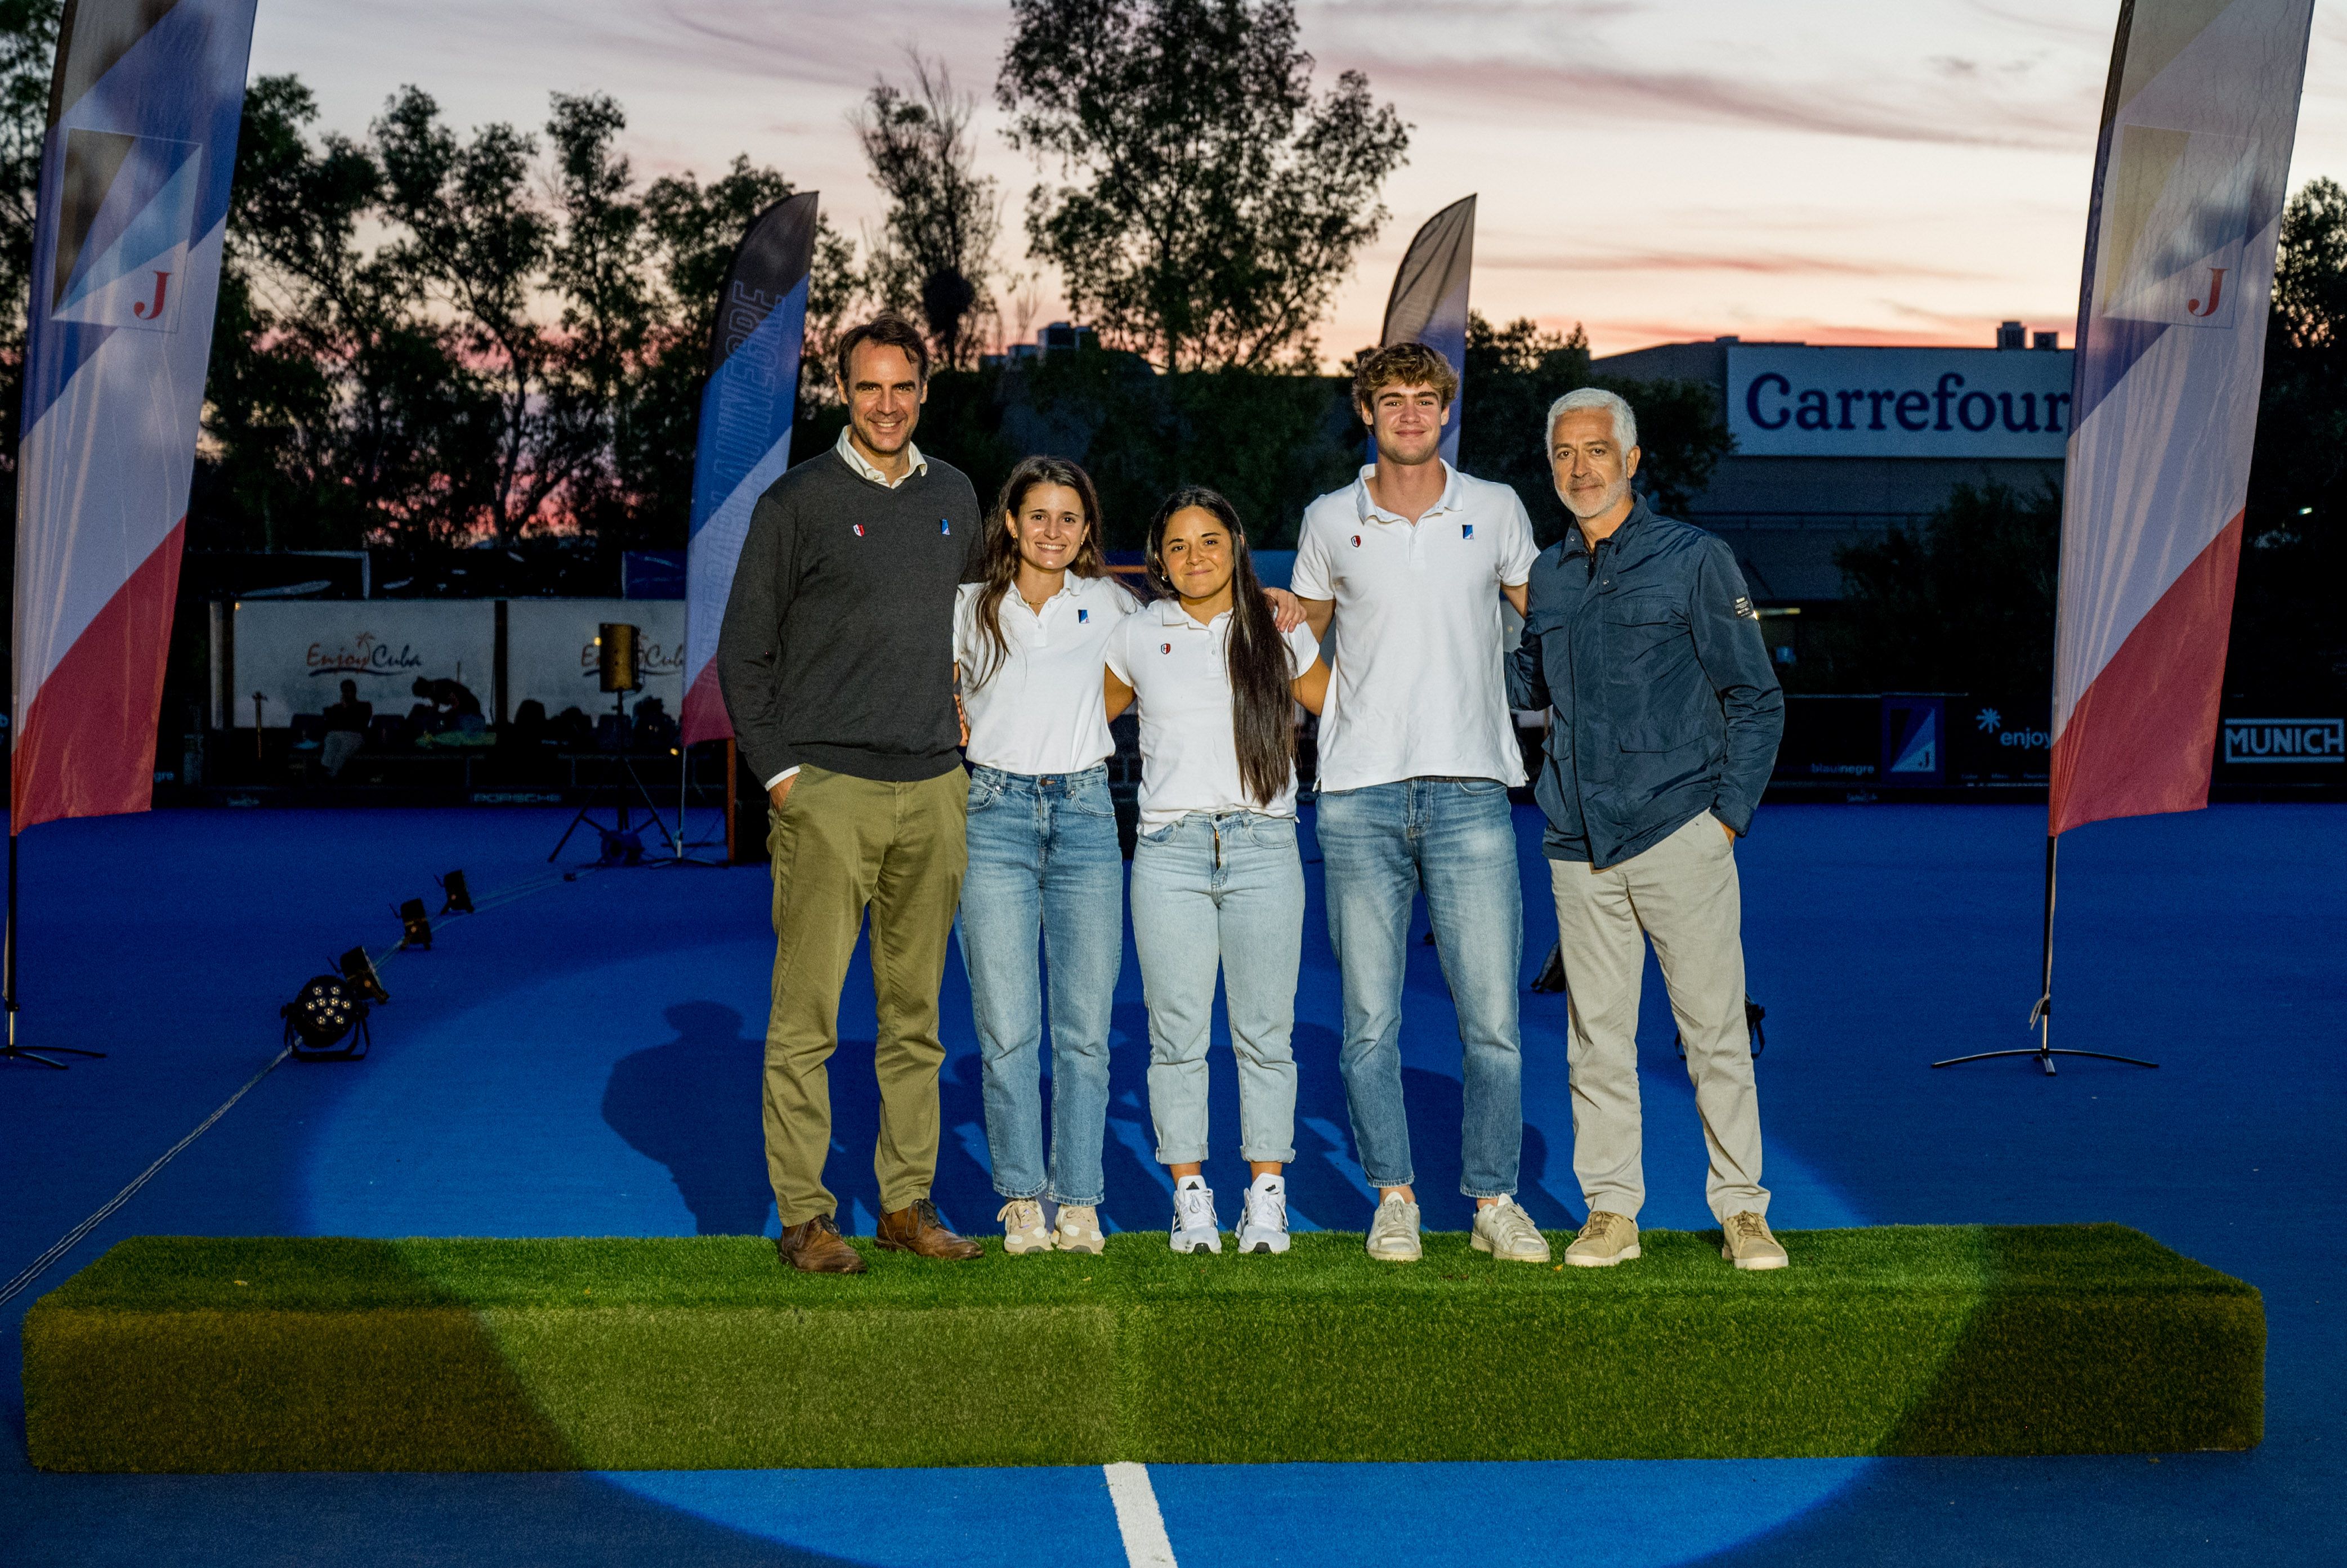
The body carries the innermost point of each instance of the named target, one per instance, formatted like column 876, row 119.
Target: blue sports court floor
column 584, row 1060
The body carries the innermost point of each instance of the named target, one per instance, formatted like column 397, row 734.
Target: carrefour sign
column 1791, row 401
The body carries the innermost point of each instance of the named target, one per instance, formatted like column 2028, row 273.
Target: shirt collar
column 855, row 459
column 1171, row 613
column 1365, row 508
column 1577, row 543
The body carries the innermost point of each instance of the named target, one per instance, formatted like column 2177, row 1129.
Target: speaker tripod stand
column 618, row 672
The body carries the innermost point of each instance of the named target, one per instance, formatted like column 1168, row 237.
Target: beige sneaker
column 1746, row 1243
column 1506, row 1231
column 1393, row 1231
column 1607, row 1239
column 1022, row 1227
column 1079, row 1229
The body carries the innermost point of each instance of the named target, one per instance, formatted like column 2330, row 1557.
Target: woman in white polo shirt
column 1216, row 880
column 1043, row 856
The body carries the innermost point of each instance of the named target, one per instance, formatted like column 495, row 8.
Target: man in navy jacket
column 1665, row 717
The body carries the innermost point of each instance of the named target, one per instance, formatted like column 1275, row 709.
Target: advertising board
column 551, row 652
column 1795, row 401
column 296, row 653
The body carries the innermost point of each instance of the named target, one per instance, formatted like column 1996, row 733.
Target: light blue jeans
column 1457, row 839
column 1043, row 863
column 1228, row 892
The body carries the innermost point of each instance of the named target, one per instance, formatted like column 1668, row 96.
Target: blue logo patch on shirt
column 1466, row 530
column 945, row 525
column 1082, row 616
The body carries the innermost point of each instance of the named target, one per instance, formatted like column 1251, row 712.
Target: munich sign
column 2285, row 740
column 1793, row 400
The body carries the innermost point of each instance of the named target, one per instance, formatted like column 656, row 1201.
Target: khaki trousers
column 1683, row 893
column 840, row 845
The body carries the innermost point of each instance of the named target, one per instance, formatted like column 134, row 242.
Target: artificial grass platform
column 199, row 1353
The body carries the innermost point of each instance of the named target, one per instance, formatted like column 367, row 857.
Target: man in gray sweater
column 836, row 663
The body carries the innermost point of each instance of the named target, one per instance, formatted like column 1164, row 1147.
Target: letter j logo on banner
column 126, row 219
column 2178, row 207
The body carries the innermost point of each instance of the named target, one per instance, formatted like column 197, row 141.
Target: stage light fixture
column 414, row 925
column 325, row 1013
column 358, row 973
column 457, row 898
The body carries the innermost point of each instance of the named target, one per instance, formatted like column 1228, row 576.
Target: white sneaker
column 1022, row 1227
column 1195, row 1229
column 1079, row 1229
column 1393, row 1231
column 1506, row 1231
column 1263, row 1215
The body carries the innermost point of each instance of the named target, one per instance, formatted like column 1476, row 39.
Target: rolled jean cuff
column 1181, row 1154
column 1466, row 1191
column 1269, row 1156
column 1404, row 1180
column 1063, row 1200
column 1002, row 1192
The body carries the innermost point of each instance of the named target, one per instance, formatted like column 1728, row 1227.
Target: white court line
column 1137, row 1519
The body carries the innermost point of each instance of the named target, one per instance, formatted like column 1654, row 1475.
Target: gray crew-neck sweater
column 837, row 648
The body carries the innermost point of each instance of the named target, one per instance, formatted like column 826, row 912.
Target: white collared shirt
column 1418, row 690
column 1188, row 750
column 1039, row 711
column 914, row 462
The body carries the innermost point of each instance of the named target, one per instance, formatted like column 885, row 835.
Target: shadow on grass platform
column 192, row 1354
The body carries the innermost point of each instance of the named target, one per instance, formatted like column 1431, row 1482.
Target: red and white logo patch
column 859, row 530
column 1165, row 648
column 1356, row 541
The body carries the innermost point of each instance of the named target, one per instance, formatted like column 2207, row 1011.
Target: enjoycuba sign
column 1794, row 401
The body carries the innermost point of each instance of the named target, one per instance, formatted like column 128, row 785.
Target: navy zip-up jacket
column 1665, row 705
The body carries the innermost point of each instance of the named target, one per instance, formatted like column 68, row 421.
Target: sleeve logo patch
column 1743, row 608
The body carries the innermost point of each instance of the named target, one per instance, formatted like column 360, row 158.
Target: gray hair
column 1625, row 423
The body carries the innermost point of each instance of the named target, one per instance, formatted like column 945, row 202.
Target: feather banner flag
column 746, row 411
column 1428, row 303
column 133, row 208
column 2190, row 179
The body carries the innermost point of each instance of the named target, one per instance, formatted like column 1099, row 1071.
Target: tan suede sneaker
column 1079, row 1228
column 1607, row 1239
column 1745, row 1242
column 1022, row 1227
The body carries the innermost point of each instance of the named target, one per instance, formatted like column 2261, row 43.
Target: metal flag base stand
column 2041, row 1017
column 12, row 1052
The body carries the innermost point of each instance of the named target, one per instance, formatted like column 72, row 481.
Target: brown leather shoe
column 918, row 1230
column 816, row 1246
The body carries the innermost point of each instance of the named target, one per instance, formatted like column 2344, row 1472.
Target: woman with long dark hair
column 1216, row 880
column 1028, row 640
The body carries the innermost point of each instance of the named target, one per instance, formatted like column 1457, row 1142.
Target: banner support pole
column 12, row 1052
column 2041, row 1015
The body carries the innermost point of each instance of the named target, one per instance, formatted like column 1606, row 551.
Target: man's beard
column 1606, row 502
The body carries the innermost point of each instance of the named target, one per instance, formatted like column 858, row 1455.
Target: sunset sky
column 1829, row 170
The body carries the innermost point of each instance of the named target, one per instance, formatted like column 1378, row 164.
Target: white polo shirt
column 1041, row 711
column 1189, row 751
column 1418, row 691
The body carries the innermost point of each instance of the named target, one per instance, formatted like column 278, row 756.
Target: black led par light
column 456, row 898
column 414, row 925
column 326, row 1021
